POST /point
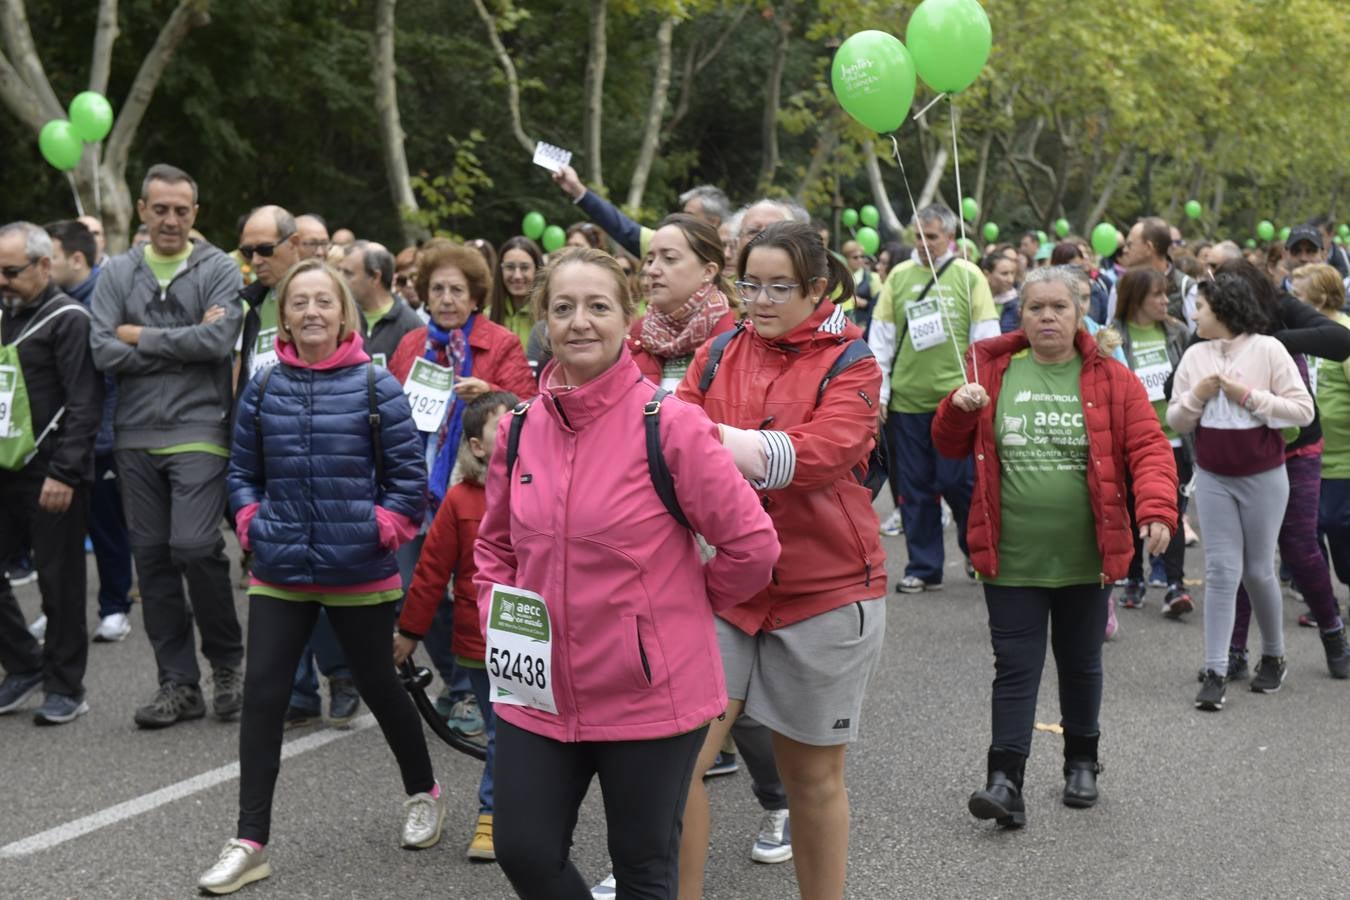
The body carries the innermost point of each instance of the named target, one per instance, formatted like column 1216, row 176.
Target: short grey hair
column 37, row 243
column 939, row 213
column 376, row 261
column 713, row 199
column 1227, row 251
column 734, row 224
column 794, row 212
column 285, row 221
column 169, row 175
column 1069, row 276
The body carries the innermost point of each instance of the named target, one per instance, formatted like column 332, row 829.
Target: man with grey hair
column 764, row 212
column 313, row 232
column 165, row 320
column 931, row 309
column 708, row 203
column 385, row 319
column 270, row 243
column 51, row 401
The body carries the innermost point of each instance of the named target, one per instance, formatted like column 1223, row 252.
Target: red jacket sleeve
column 954, row 429
column 840, row 433
column 1148, row 454
column 688, row 390
column 435, row 565
column 494, row 556
column 506, row 368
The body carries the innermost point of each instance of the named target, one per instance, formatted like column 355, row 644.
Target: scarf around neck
column 672, row 335
column 447, row 348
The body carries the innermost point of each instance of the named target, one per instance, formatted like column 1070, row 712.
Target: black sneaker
column 228, row 698
column 1212, row 691
column 1269, row 676
column 343, row 701
column 1338, row 653
column 724, row 764
column 17, row 688
column 1177, row 602
column 1133, row 598
column 298, row 717
column 1237, row 665
column 172, row 703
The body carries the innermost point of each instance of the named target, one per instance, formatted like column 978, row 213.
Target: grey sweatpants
column 1240, row 517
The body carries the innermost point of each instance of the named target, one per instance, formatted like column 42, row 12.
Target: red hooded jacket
column 1124, row 441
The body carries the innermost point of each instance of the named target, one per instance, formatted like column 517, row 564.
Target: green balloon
column 1284, row 233
column 969, row 246
column 950, row 42
column 849, row 217
column 91, row 115
column 970, row 210
column 1337, row 240
column 1061, row 227
column 532, row 226
column 1250, row 243
column 1042, row 237
column 1265, row 230
column 60, row 145
column 990, row 232
column 1193, row 209
column 1344, row 230
column 873, row 77
column 869, row 215
column 554, row 237
column 868, row 239
column 1105, row 240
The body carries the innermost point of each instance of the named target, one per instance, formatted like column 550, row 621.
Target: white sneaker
column 422, row 827
column 892, row 525
column 238, row 865
column 39, row 628
column 113, row 628
column 606, row 889
column 774, row 842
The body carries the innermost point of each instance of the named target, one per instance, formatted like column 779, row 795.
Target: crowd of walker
column 622, row 494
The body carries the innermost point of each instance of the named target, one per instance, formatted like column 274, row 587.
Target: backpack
column 373, row 417
column 662, row 481
column 18, row 446
column 856, row 351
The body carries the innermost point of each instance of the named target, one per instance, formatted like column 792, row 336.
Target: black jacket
column 382, row 340
column 252, row 295
column 58, row 370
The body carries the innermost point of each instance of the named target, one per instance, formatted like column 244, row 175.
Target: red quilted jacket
column 1124, row 438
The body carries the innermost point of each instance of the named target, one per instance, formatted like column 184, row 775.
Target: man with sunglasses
column 270, row 243
column 165, row 318
column 46, row 495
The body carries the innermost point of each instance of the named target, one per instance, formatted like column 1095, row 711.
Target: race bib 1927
column 428, row 389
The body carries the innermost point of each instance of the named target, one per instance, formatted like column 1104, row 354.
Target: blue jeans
column 478, row 680
column 108, row 534
column 324, row 648
column 925, row 480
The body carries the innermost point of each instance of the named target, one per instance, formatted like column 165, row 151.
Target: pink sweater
column 1229, row 439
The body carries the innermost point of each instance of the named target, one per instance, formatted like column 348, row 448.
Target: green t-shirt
column 520, row 320
column 1153, row 366
column 369, row 598
column 1047, row 536
column 1333, row 403
column 194, row 447
column 373, row 317
column 166, row 267
column 927, row 366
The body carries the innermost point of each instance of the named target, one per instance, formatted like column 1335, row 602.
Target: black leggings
column 1018, row 617
column 277, row 633
column 539, row 786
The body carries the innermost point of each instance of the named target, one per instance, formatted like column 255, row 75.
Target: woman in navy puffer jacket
column 323, row 493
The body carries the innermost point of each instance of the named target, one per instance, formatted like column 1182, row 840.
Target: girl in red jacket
column 448, row 555
column 1057, row 430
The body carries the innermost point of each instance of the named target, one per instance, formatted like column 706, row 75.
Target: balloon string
column 934, row 102
column 961, row 218
column 79, row 207
column 927, row 252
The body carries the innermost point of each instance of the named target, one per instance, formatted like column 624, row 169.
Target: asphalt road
column 1247, row 802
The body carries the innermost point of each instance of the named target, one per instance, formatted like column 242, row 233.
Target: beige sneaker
column 481, row 845
column 422, row 827
column 238, row 865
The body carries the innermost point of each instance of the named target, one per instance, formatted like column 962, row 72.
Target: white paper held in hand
column 551, row 157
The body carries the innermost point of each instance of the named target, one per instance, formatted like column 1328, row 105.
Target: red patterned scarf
column 672, row 335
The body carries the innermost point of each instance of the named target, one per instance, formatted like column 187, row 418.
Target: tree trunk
column 889, row 220
column 1112, row 178
column 383, row 73
column 1216, row 213
column 595, row 95
column 105, row 35
column 930, row 185
column 512, row 81
column 772, row 98
column 820, row 154
column 693, row 65
column 982, row 171
column 656, row 110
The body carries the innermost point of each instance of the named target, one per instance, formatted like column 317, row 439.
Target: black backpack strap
column 374, row 418
column 513, row 435
column 662, row 480
column 856, row 351
column 257, row 422
column 716, row 347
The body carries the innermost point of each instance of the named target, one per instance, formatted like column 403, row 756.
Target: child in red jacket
column 446, row 555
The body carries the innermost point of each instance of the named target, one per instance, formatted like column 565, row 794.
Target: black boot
column 1001, row 798
column 1080, row 771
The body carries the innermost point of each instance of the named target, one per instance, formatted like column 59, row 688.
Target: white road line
column 52, row 837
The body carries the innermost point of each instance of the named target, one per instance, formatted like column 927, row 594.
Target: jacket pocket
column 639, row 667
column 858, row 544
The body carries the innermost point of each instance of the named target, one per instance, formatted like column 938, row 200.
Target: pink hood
column 634, row 650
column 349, row 352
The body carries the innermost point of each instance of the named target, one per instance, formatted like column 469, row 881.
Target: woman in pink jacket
column 597, row 612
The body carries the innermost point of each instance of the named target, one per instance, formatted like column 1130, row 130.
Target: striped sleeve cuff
column 781, row 461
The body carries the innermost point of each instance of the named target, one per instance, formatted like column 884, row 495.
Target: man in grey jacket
column 165, row 319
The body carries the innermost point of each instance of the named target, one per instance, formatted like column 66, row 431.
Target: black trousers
column 58, row 557
column 277, row 632
column 1018, row 621
column 539, row 786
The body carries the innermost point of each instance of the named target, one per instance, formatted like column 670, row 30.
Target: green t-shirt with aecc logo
column 1333, row 403
column 1047, row 535
column 1153, row 366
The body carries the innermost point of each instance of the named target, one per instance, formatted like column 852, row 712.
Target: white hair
column 37, row 243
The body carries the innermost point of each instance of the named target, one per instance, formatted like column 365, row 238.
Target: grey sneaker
column 465, row 716
column 17, row 688
column 228, row 698
column 1269, row 675
column 344, row 700
column 422, row 827
column 1213, row 687
column 58, row 709
column 171, row 703
column 774, row 842
column 238, row 865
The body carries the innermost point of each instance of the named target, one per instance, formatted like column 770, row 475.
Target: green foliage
column 447, row 199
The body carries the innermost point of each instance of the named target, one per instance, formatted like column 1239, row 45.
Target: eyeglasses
column 308, row 245
column 263, row 250
column 749, row 291
column 12, row 272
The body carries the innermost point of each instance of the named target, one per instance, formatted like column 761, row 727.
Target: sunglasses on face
column 12, row 272
column 263, row 250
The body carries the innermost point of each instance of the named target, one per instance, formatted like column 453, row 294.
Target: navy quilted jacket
column 316, row 484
